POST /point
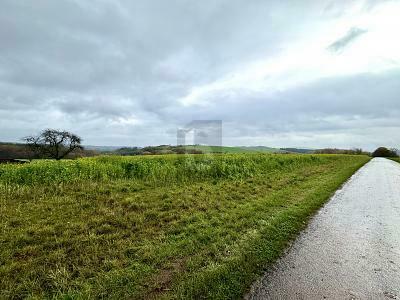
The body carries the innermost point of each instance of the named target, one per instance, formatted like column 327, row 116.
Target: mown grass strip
column 262, row 246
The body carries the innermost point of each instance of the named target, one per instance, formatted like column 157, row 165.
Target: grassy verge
column 397, row 159
column 129, row 237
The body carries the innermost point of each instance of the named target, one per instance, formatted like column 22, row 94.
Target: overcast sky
column 308, row 73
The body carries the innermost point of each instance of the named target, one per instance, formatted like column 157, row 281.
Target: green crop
column 156, row 169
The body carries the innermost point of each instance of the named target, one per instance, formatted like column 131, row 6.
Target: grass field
column 171, row 227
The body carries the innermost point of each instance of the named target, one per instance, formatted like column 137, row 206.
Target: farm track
column 351, row 248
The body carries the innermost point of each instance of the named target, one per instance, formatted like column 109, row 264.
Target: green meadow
column 156, row 227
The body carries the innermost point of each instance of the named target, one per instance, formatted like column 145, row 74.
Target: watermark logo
column 203, row 133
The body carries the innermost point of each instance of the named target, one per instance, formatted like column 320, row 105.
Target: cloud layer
column 347, row 39
column 295, row 73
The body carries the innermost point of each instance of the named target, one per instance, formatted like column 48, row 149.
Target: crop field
column 145, row 227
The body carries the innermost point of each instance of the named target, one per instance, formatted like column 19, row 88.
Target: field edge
column 234, row 279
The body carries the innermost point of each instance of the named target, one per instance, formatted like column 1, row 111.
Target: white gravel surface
column 351, row 249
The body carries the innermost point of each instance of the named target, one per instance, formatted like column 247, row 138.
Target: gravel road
column 351, row 249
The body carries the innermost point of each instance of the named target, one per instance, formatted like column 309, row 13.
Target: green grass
column 157, row 169
column 171, row 227
column 233, row 150
column 262, row 149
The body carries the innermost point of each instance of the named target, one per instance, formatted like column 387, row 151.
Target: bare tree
column 53, row 143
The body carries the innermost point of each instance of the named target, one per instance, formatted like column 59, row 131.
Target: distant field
column 224, row 149
column 188, row 227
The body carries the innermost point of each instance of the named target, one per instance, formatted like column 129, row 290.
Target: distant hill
column 155, row 150
column 190, row 149
column 169, row 149
column 19, row 150
column 298, row 150
column 237, row 149
column 102, row 148
column 261, row 149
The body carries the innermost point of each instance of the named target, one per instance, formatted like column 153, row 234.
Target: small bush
column 384, row 152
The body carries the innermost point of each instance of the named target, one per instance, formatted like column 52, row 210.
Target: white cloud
column 307, row 59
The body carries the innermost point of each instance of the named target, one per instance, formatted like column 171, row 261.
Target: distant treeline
column 21, row 151
column 357, row 151
column 12, row 151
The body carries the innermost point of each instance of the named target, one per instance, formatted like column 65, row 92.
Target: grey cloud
column 339, row 8
column 95, row 67
column 340, row 44
column 345, row 105
column 371, row 4
column 150, row 51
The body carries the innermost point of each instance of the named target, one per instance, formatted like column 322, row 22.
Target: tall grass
column 156, row 169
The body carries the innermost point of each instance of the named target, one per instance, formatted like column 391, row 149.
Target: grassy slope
column 262, row 149
column 131, row 239
column 225, row 149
